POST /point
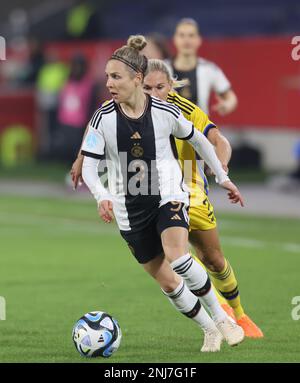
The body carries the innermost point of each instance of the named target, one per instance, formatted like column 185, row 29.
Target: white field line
column 291, row 247
column 62, row 225
column 244, row 242
column 226, row 223
column 24, row 221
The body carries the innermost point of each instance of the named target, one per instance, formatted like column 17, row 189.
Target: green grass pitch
column 58, row 261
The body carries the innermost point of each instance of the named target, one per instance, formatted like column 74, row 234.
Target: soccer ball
column 96, row 334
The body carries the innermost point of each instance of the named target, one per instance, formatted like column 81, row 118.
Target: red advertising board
column 261, row 70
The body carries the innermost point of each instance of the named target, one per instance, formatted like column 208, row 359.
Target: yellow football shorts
column 202, row 215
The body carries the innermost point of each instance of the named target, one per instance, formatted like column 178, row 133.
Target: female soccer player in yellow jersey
column 203, row 231
column 203, row 228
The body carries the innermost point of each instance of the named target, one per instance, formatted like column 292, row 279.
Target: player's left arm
column 184, row 130
column 215, row 137
column 227, row 100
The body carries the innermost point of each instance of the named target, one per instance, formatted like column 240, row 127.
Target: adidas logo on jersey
column 176, row 217
column 136, row 136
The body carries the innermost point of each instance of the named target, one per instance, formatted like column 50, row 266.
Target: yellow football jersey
column 189, row 159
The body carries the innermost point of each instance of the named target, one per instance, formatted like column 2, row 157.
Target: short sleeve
column 201, row 121
column 183, row 129
column 220, row 82
column 94, row 144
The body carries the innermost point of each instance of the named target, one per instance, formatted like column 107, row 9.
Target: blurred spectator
column 29, row 73
column 204, row 76
column 74, row 110
column 157, row 47
column 51, row 79
column 82, row 21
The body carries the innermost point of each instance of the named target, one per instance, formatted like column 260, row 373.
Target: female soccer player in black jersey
column 146, row 193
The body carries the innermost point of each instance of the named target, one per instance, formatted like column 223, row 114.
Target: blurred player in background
column 203, row 228
column 157, row 47
column 154, row 223
column 204, row 76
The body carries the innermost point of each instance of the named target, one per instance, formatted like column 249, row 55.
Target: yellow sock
column 226, row 284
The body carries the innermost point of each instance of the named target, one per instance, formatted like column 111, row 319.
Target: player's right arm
column 92, row 151
column 76, row 170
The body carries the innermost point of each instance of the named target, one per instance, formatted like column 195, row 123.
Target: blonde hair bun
column 137, row 42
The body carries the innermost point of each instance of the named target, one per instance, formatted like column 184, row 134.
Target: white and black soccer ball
column 97, row 334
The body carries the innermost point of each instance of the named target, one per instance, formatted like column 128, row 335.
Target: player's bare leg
column 212, row 258
column 208, row 250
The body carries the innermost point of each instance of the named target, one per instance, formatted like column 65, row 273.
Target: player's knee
column 174, row 250
column 174, row 253
column 170, row 283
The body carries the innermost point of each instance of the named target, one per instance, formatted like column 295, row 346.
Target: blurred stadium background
column 56, row 255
